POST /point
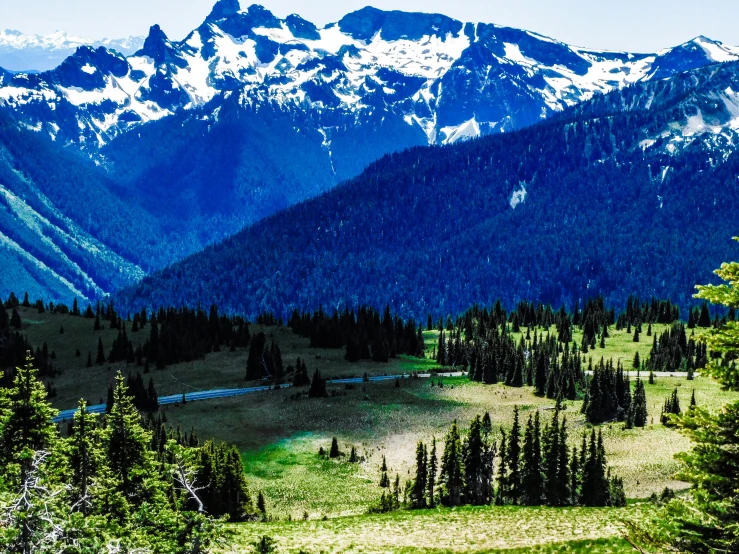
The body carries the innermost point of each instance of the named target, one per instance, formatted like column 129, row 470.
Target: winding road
column 228, row 393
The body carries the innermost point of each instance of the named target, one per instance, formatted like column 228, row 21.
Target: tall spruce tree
column 451, row 478
column 84, row 457
column 595, row 490
column 533, row 479
column 418, row 490
column 431, row 478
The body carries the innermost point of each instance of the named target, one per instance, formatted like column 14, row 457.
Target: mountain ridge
column 576, row 206
column 251, row 114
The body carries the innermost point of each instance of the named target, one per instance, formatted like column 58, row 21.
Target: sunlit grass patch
column 469, row 529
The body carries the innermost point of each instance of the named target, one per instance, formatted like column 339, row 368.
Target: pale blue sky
column 633, row 25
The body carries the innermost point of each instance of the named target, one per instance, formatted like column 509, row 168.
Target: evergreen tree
column 639, row 404
column 317, row 386
column 451, row 476
column 431, row 478
column 552, row 449
column 477, row 464
column 513, row 489
column 130, row 466
column 533, row 482
column 384, row 479
column 84, row 458
column 100, row 358
column 595, row 490
column 25, row 419
column 420, row 483
column 671, row 407
column 334, row 452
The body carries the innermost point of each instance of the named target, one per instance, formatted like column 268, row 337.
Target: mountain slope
column 251, row 114
column 20, row 52
column 624, row 194
column 65, row 228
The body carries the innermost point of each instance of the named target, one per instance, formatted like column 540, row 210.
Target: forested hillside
column 627, row 194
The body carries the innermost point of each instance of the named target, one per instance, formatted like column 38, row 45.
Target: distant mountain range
column 251, row 114
column 22, row 53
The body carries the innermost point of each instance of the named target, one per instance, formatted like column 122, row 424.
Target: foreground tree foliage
column 707, row 519
column 111, row 485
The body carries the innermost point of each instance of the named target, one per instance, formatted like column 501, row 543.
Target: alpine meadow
column 397, row 283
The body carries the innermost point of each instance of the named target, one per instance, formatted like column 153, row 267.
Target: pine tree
column 514, row 488
column 26, row 424
column 671, row 407
column 261, row 503
column 639, row 404
column 477, row 464
column 84, row 458
column 384, row 479
column 533, row 482
column 431, row 478
column 100, row 359
column 418, row 491
column 130, row 464
column 595, row 490
column 551, row 466
column 334, row 452
column 451, row 476
column 317, row 386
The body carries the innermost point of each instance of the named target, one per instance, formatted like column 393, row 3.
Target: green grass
column 280, row 437
column 297, row 481
column 468, row 529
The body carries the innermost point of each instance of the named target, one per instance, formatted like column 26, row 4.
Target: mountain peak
column 155, row 45
column 224, row 9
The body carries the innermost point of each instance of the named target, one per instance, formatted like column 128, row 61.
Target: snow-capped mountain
column 448, row 79
column 21, row 52
column 183, row 143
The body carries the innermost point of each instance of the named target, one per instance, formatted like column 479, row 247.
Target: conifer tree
column 334, row 452
column 595, row 490
column 384, row 479
column 671, row 407
column 477, row 464
column 451, row 476
column 513, row 485
column 533, row 483
column 551, row 455
column 100, row 359
column 431, row 478
column 317, row 386
column 418, row 491
column 639, row 404
column 130, row 464
column 84, row 457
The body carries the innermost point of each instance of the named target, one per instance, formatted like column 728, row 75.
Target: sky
column 629, row 25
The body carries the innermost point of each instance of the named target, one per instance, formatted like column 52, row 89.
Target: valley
column 393, row 283
column 323, row 503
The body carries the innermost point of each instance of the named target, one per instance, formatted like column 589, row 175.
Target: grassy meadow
column 320, row 505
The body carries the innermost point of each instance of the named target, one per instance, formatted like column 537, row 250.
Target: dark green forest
column 433, row 229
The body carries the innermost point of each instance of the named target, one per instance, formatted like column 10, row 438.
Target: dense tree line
column 112, row 480
column 535, row 467
column 364, row 333
column 674, row 351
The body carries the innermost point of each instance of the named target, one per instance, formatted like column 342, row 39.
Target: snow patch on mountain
column 451, row 79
